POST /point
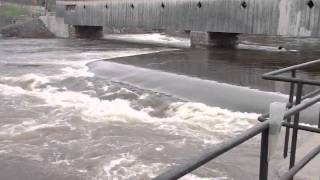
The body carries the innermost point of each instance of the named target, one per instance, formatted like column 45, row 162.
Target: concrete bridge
column 222, row 20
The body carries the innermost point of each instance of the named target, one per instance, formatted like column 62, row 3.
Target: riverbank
column 33, row 28
column 10, row 14
column 22, row 21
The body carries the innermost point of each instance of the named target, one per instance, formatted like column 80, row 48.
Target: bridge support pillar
column 94, row 32
column 214, row 39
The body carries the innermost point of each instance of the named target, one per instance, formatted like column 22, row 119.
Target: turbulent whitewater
column 59, row 120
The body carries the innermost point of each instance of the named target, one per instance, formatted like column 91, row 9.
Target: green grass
column 12, row 11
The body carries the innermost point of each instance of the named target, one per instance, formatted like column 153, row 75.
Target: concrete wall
column 214, row 39
column 56, row 25
column 268, row 17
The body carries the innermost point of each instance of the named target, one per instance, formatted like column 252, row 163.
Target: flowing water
column 62, row 120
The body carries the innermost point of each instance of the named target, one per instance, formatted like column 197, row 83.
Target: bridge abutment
column 214, row 39
column 89, row 32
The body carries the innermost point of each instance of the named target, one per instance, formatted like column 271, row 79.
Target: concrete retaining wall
column 213, row 39
column 56, row 25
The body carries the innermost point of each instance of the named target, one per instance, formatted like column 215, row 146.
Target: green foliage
column 12, row 11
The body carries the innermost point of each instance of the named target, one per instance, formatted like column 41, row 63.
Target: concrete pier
column 93, row 32
column 214, row 39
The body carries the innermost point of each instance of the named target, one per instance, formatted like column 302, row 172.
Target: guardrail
column 296, row 103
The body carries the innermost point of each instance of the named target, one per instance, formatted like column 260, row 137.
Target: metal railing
column 297, row 103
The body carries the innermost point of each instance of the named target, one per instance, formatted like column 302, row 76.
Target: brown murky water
column 80, row 109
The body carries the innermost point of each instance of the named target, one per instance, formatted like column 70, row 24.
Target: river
column 105, row 109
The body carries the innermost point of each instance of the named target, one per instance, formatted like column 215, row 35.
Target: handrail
column 315, row 92
column 295, row 83
column 305, row 104
column 294, row 67
column 273, row 75
column 184, row 169
column 302, row 127
column 294, row 109
column 314, row 152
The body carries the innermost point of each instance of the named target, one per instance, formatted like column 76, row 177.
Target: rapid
column 61, row 119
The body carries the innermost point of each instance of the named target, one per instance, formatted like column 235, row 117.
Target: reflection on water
column 238, row 67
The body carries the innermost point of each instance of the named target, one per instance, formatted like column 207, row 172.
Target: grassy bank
column 12, row 11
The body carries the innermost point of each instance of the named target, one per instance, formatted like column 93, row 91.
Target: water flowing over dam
column 102, row 109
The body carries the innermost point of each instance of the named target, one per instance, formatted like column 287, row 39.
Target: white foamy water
column 263, row 48
column 153, row 38
column 58, row 114
column 194, row 177
column 184, row 42
column 188, row 119
column 114, row 169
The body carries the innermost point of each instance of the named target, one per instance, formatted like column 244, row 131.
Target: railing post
column 319, row 120
column 286, row 139
column 270, row 136
column 295, row 127
column 264, row 164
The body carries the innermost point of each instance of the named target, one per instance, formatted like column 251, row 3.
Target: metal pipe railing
column 290, row 112
column 275, row 75
column 300, row 107
column 295, row 169
column 302, row 127
column 184, row 169
column 296, row 113
column 272, row 75
column 313, row 93
column 294, row 108
column 295, row 80
column 305, row 104
column 294, row 67
column 289, row 106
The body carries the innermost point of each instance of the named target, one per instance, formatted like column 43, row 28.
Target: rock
column 34, row 28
